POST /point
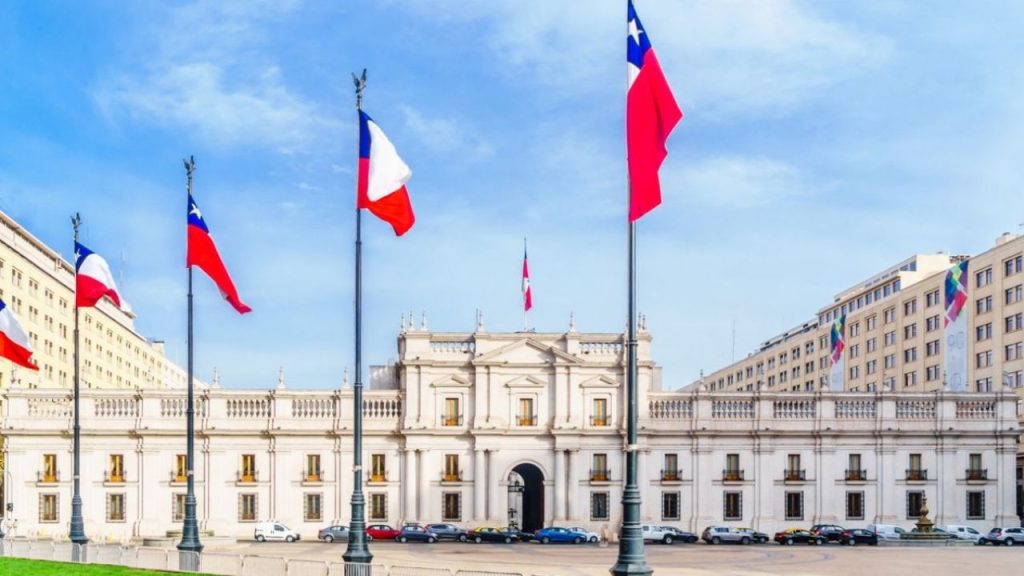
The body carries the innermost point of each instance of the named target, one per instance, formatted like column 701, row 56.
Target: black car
column 831, row 532
column 448, row 532
column 488, row 534
column 755, row 536
column 856, row 536
column 802, row 537
column 681, row 535
column 413, row 533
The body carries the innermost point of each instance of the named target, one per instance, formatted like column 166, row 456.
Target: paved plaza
column 690, row 560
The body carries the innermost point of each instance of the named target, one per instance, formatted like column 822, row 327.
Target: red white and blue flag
column 527, row 292
column 202, row 253
column 651, row 114
column 382, row 177
column 14, row 344
column 93, row 279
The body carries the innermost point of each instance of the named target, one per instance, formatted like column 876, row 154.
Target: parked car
column 886, row 531
column 588, row 536
column 856, row 536
column 448, row 532
column 726, row 534
column 962, row 532
column 1009, row 536
column 416, row 533
column 831, row 532
column 381, row 532
column 756, row 537
column 274, row 531
column 558, row 534
column 491, row 534
column 679, row 534
column 332, row 533
column 657, row 534
column 800, row 537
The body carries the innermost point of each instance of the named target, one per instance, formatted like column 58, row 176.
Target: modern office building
column 526, row 428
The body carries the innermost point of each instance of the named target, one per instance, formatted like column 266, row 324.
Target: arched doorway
column 526, row 497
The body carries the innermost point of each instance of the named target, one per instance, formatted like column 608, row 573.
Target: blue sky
column 822, row 142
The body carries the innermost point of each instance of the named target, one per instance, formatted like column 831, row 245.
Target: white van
column 274, row 531
column 963, row 532
column 886, row 531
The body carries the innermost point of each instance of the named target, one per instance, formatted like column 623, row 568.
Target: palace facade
column 526, row 428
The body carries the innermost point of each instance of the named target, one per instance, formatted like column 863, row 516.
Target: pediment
column 451, row 381
column 599, row 382
column 527, row 351
column 526, row 382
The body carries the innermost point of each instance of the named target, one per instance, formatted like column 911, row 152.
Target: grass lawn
column 20, row 567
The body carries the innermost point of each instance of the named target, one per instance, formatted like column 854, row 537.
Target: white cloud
column 446, row 135
column 736, row 182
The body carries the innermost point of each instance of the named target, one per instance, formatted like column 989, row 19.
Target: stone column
column 409, row 485
column 574, row 485
column 559, row 484
column 424, row 496
column 493, row 485
column 641, row 480
column 479, row 485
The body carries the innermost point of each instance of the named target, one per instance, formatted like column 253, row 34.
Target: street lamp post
column 514, row 487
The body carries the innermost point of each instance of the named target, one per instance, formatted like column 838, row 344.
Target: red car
column 381, row 532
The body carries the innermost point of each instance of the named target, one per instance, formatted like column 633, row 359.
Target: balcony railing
column 600, row 420
column 733, row 475
column 48, row 478
column 917, row 475
column 672, row 475
column 976, row 474
column 451, row 476
column 527, row 420
column 178, row 478
column 856, row 475
column 113, row 477
column 313, row 475
column 451, row 420
column 599, row 475
column 248, row 476
column 791, row 475
column 380, row 476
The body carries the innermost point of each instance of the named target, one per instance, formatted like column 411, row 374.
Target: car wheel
column 667, row 539
column 593, row 539
column 818, row 542
column 851, row 542
column 289, row 539
column 478, row 540
column 716, row 540
column 789, row 541
column 462, row 537
column 261, row 539
column 744, row 540
column 431, row 540
column 403, row 539
column 508, row 540
column 545, row 540
column 328, row 538
column 577, row 540
column 369, row 537
column 1009, row 542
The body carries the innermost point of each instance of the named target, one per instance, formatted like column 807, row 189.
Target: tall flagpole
column 526, row 311
column 77, row 532
column 358, row 552
column 190, row 546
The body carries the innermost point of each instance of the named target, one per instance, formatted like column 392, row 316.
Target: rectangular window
column 177, row 507
column 910, row 355
column 378, row 506
column 889, row 315
column 983, row 384
column 976, row 505
column 732, row 468
column 909, row 331
column 915, row 500
column 853, row 470
column 1014, row 351
column 248, row 473
column 871, row 344
column 983, row 278
column 378, row 468
column 670, row 505
column 49, row 468
column 854, row 505
column 794, row 505
column 1012, row 266
column 670, row 470
column 1014, row 322
column 909, row 307
column 890, row 338
column 910, row 378
column 932, row 348
column 932, row 323
column 872, row 322
column 983, row 332
column 48, row 510
column 855, row 351
column 451, row 468
column 312, row 507
column 983, row 305
column 600, row 415
column 452, row 416
column 313, row 471
column 526, row 414
column 599, row 469
column 115, row 507
column 1015, row 294
column 855, row 329
column 598, row 505
column 732, row 506
column 983, row 359
column 932, row 373
column 247, row 511
column 451, row 510
column 116, row 468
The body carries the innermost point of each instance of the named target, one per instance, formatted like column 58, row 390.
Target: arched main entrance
column 526, row 497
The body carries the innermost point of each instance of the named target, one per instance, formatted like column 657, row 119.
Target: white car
column 274, row 531
column 886, row 531
column 657, row 534
column 962, row 532
column 590, row 536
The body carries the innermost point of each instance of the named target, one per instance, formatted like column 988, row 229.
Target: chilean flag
column 651, row 114
column 382, row 177
column 527, row 292
column 93, row 279
column 14, row 344
column 202, row 252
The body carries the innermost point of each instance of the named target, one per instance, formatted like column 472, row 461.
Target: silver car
column 1010, row 536
column 723, row 534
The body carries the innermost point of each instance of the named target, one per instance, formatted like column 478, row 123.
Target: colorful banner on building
column 955, row 323
column 837, row 338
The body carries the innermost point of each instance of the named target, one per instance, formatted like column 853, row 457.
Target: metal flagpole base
column 190, row 547
column 77, row 532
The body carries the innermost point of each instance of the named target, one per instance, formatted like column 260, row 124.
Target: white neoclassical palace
column 462, row 418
